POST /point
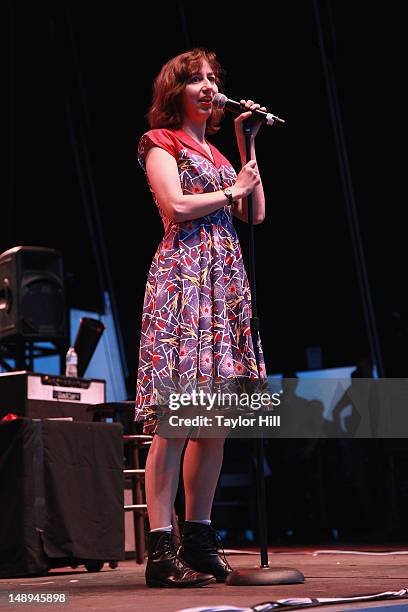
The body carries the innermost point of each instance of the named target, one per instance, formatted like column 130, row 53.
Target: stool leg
column 138, row 517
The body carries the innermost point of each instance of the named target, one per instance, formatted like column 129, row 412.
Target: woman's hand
column 250, row 105
column 247, row 180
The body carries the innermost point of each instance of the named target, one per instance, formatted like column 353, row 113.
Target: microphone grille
column 219, row 100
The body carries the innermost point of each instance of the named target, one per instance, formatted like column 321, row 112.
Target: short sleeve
column 155, row 138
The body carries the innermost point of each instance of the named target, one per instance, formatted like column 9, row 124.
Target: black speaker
column 32, row 295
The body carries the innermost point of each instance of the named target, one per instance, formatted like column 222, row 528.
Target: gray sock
column 167, row 528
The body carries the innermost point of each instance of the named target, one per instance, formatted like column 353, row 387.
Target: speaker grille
column 42, row 308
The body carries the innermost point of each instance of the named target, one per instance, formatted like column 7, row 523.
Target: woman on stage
column 197, row 306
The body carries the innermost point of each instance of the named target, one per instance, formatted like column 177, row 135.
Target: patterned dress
column 197, row 305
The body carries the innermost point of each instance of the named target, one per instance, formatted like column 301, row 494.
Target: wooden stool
column 134, row 470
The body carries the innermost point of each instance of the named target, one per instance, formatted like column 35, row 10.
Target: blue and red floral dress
column 197, row 305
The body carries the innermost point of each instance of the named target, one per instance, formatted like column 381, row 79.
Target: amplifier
column 41, row 396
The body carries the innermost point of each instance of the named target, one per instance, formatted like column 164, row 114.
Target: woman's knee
column 170, row 444
column 214, row 443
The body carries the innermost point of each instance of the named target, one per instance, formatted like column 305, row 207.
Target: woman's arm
column 162, row 172
column 258, row 196
column 240, row 209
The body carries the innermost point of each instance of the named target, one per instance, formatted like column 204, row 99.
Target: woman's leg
column 164, row 568
column 161, row 479
column 201, row 470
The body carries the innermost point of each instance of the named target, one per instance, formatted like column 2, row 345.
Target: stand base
column 256, row 576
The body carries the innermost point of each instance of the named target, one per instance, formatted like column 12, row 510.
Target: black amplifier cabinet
column 43, row 396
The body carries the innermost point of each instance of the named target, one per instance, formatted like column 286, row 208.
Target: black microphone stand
column 264, row 574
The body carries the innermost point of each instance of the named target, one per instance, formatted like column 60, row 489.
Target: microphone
column 220, row 101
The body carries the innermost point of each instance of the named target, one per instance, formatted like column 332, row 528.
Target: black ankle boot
column 199, row 548
column 165, row 569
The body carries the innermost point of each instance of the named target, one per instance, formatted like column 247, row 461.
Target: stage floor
column 328, row 574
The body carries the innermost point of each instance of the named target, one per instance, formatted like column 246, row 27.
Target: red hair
column 166, row 109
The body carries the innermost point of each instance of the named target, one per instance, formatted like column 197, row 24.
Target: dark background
column 78, row 82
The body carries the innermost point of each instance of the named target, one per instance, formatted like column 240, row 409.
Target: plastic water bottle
column 71, row 363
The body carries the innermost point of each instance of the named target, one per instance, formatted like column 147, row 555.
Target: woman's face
column 198, row 94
